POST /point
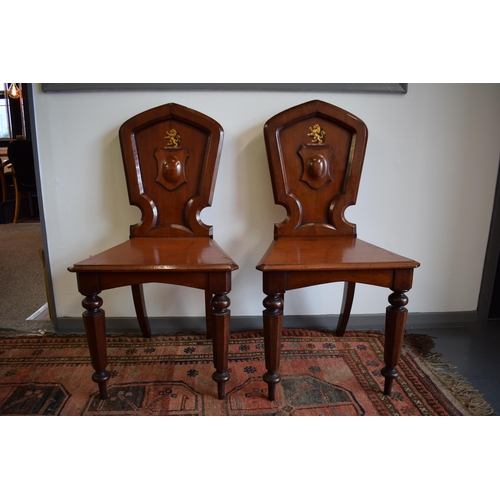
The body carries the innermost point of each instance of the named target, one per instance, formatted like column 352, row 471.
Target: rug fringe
column 421, row 344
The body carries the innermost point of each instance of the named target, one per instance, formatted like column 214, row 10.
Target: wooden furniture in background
column 4, row 163
column 315, row 153
column 171, row 156
column 20, row 153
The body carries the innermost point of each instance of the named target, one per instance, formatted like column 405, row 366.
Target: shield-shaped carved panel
column 316, row 161
column 171, row 164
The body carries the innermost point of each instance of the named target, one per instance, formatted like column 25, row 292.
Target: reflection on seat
column 171, row 156
column 315, row 153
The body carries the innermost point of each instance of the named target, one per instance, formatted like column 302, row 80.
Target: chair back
column 315, row 152
column 171, row 157
column 20, row 153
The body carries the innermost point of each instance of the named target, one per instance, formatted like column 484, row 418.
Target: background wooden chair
column 171, row 156
column 315, row 153
column 20, row 153
column 3, row 180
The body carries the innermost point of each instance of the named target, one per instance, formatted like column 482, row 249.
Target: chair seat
column 339, row 253
column 198, row 254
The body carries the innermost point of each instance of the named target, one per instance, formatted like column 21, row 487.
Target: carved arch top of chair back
column 315, row 152
column 171, row 156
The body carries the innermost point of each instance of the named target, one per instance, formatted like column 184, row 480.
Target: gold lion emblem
column 173, row 138
column 316, row 134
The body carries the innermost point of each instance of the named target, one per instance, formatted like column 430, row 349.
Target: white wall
column 426, row 192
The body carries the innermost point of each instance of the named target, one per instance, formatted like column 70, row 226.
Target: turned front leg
column 273, row 326
column 95, row 329
column 395, row 322
column 220, row 334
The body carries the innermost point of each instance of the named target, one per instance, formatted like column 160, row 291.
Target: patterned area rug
column 171, row 375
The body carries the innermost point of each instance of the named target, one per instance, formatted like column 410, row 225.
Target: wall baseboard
column 241, row 323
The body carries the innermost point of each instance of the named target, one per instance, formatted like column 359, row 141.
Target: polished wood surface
column 315, row 152
column 171, row 166
column 160, row 255
column 170, row 155
column 328, row 254
column 315, row 174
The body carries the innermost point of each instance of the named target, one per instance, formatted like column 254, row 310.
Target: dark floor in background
column 475, row 352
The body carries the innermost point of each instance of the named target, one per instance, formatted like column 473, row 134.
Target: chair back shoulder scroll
column 171, row 156
column 315, row 153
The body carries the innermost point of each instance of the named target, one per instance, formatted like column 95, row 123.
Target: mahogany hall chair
column 171, row 156
column 315, row 153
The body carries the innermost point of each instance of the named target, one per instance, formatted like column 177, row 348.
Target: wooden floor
column 475, row 352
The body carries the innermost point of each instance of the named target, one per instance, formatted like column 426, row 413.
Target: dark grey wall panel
column 241, row 323
column 395, row 88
